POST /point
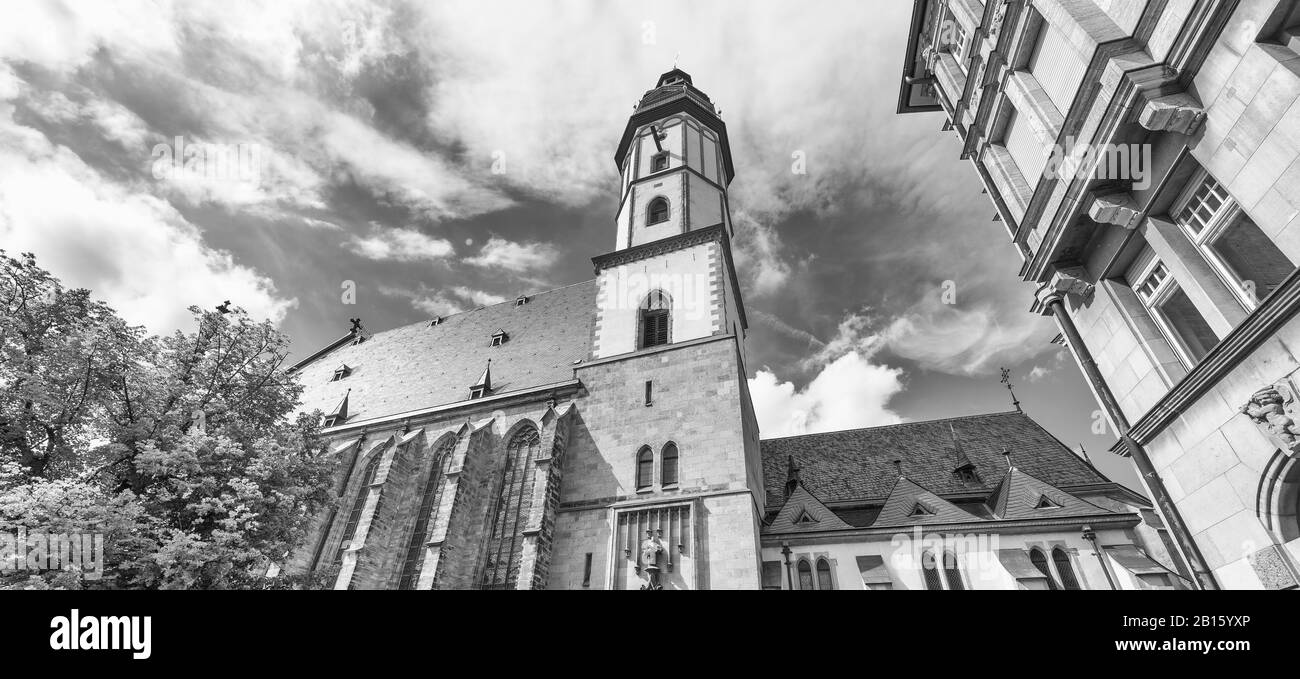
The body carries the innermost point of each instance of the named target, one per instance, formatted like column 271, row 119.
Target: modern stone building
column 1145, row 160
column 601, row 435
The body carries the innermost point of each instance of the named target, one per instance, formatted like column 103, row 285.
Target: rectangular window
column 1057, row 67
column 586, row 571
column 1238, row 250
column 1173, row 311
column 1029, row 154
column 954, row 31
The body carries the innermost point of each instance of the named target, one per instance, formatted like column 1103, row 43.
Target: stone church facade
column 1145, row 160
column 601, row 435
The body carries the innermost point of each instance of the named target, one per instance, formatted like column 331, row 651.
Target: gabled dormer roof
column 1021, row 496
column 339, row 414
column 802, row 512
column 909, row 504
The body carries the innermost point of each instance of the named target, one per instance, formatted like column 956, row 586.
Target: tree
column 183, row 450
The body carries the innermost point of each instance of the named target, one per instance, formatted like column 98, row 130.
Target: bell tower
column 670, row 277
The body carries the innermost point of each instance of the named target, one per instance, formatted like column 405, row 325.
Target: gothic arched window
column 1037, row 558
column 931, row 571
column 657, row 212
column 805, row 576
column 1064, row 569
column 510, row 518
column 824, row 575
column 645, row 468
column 668, row 465
column 359, row 504
column 427, row 516
column 656, row 317
column 951, row 572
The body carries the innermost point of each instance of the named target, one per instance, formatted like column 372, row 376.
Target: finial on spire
column 675, row 57
column 1006, row 379
column 224, row 307
column 1006, row 452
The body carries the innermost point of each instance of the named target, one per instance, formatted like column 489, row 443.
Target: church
column 601, row 436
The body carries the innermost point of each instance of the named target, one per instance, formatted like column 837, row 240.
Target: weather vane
column 675, row 57
column 1006, row 379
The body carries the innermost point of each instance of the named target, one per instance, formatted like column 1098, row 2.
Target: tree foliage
column 184, row 451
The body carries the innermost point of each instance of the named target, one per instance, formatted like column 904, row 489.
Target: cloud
column 516, row 257
column 402, row 245
column 850, row 392
column 134, row 251
column 968, row 339
column 444, row 302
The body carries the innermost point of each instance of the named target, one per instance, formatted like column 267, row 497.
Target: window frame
column 645, row 460
column 657, row 158
column 812, row 576
column 663, row 465
column 1045, row 569
column 953, row 576
column 830, row 573
column 931, row 571
column 1069, row 568
column 650, row 211
column 1154, row 302
column 1224, row 217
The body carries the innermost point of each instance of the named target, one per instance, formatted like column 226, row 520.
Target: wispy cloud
column 402, row 245
column 517, row 257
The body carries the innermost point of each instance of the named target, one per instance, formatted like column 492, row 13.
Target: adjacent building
column 1144, row 158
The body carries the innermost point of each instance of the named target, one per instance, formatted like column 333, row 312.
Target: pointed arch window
column 1064, row 569
column 645, row 468
column 824, row 580
column 805, row 576
column 656, row 319
column 1039, row 560
column 430, row 504
column 510, row 518
column 657, row 211
column 668, row 465
column 358, row 505
column 930, row 569
column 952, row 573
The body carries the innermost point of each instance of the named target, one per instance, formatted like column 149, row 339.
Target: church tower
column 663, row 477
column 669, row 278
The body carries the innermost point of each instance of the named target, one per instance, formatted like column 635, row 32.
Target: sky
column 398, row 160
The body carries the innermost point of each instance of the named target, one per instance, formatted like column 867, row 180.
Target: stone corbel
column 1071, row 280
column 1115, row 208
column 1179, row 113
column 1273, row 410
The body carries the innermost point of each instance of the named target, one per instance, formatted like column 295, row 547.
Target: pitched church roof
column 858, row 464
column 421, row 365
column 1021, row 496
column 909, row 504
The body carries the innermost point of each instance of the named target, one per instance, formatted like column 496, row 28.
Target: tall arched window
column 668, row 465
column 657, row 211
column 430, row 503
column 1037, row 558
column 951, row 572
column 645, row 468
column 359, row 504
column 824, row 575
column 931, row 571
column 1064, row 569
column 805, row 576
column 655, row 319
column 510, row 519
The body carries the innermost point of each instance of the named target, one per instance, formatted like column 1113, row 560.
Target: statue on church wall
column 1273, row 410
column 652, row 549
